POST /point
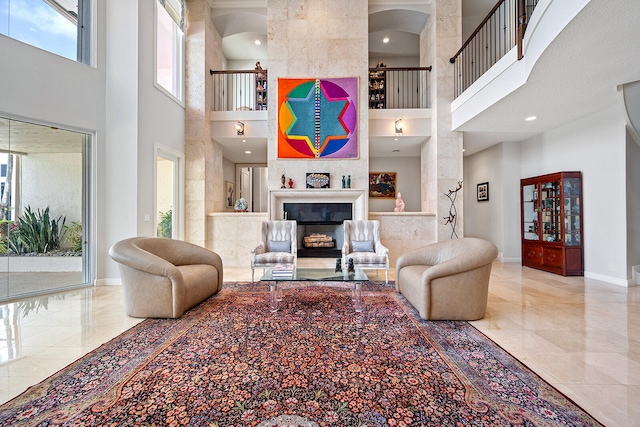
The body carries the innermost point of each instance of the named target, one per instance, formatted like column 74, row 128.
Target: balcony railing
column 501, row 30
column 394, row 88
column 239, row 90
column 399, row 87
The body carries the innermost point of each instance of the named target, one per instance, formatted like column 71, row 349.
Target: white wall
column 633, row 204
column 160, row 117
column 484, row 219
column 498, row 219
column 395, row 61
column 138, row 115
column 596, row 146
column 408, row 169
column 117, row 191
column 53, row 180
column 246, row 64
column 40, row 87
column 116, row 102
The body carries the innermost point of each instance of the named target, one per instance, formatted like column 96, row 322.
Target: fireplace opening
column 318, row 213
column 320, row 230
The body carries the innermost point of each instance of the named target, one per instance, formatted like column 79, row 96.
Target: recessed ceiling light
column 244, row 140
column 258, row 42
column 395, row 139
column 247, row 152
column 385, row 40
column 531, row 118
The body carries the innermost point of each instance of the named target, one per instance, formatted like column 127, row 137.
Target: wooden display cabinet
column 551, row 218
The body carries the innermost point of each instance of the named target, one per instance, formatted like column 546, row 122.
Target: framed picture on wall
column 230, row 194
column 483, row 192
column 318, row 180
column 382, row 185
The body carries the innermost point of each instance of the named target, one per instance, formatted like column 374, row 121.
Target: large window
column 62, row 27
column 170, row 47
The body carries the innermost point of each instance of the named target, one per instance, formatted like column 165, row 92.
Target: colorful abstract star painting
column 318, row 118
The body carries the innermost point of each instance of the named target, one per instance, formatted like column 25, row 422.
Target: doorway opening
column 168, row 188
column 44, row 209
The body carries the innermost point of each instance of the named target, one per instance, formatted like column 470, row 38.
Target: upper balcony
column 389, row 88
column 396, row 96
column 573, row 57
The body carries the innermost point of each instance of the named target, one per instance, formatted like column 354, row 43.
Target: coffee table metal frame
column 357, row 277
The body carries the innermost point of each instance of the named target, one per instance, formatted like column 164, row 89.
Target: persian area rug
column 315, row 362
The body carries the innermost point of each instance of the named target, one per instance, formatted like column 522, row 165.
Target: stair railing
column 501, row 30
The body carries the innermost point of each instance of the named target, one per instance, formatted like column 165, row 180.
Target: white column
column 442, row 153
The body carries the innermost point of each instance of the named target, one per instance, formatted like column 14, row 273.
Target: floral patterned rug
column 315, row 362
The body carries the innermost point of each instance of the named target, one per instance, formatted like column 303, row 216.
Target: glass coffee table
column 315, row 275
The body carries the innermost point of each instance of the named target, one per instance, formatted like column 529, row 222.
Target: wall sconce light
column 399, row 126
column 240, row 128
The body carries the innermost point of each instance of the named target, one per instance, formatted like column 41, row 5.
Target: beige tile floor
column 581, row 335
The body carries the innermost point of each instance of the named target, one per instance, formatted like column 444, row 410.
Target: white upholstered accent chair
column 278, row 245
column 362, row 244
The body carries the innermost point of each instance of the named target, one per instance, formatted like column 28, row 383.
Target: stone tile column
column 441, row 155
column 318, row 38
column 203, row 157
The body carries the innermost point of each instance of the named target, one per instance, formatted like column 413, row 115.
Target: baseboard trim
column 612, row 280
column 502, row 258
column 108, row 282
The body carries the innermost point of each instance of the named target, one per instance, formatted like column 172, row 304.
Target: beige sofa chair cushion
column 165, row 277
column 447, row 280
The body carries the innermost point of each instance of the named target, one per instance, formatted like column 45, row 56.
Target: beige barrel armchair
column 447, row 280
column 165, row 277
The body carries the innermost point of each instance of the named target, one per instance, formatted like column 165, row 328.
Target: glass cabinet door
column 572, row 212
column 530, row 211
column 550, row 208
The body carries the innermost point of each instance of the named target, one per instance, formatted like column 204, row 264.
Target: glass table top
column 318, row 274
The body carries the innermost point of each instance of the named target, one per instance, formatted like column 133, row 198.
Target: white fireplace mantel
column 358, row 199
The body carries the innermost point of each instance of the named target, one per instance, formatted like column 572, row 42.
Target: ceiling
column 27, row 138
